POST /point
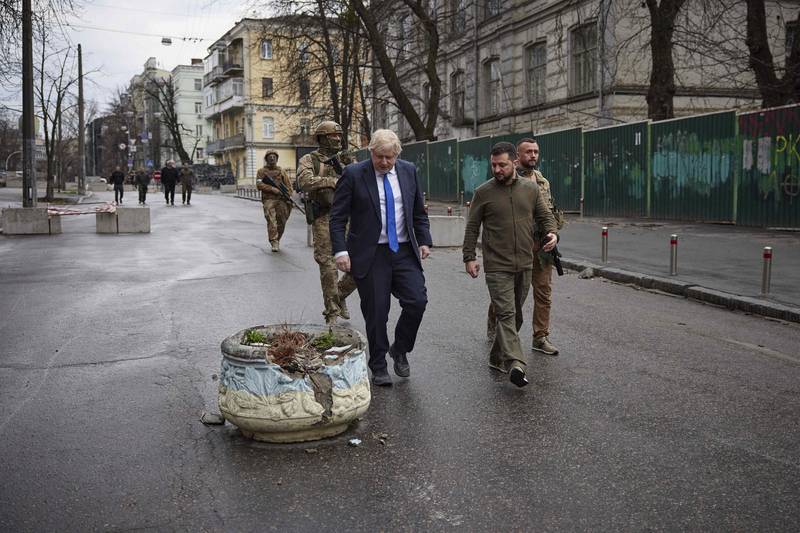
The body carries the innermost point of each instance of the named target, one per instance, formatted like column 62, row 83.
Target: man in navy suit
column 384, row 248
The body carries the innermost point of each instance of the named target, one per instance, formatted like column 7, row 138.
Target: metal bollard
column 449, row 211
column 467, row 211
column 673, row 255
column 766, row 273
column 581, row 215
column 604, row 252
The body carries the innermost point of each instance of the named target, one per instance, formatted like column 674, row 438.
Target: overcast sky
column 118, row 36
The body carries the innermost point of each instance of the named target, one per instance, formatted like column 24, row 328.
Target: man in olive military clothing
column 506, row 209
column 316, row 177
column 169, row 177
column 187, row 183
column 277, row 207
column 541, row 277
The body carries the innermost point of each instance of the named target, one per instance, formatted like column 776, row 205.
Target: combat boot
column 542, row 344
column 343, row 312
column 275, row 246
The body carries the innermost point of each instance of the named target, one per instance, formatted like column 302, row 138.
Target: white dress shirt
column 399, row 215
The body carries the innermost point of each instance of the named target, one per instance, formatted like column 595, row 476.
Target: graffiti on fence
column 774, row 163
column 683, row 161
column 474, row 171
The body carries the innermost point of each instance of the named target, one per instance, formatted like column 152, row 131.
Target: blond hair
column 385, row 139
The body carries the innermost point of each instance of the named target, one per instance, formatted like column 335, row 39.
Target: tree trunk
column 774, row 91
column 661, row 93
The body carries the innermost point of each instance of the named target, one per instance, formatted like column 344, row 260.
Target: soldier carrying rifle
column 317, row 175
column 276, row 190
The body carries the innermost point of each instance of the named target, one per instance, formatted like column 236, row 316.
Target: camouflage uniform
column 542, row 271
column 318, row 180
column 276, row 208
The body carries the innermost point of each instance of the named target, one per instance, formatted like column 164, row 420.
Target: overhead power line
column 177, row 38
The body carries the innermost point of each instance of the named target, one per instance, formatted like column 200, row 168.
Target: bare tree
column 163, row 92
column 323, row 47
column 661, row 92
column 778, row 86
column 398, row 52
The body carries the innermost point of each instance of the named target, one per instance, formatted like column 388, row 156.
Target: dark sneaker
column 517, row 376
column 401, row 366
column 381, row 379
column 542, row 344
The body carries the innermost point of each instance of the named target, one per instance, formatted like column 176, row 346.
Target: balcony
column 234, row 67
column 214, row 76
column 215, row 147
column 232, row 102
column 234, row 142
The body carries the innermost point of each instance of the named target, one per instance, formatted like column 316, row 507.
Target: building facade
column 510, row 66
column 149, row 149
column 188, row 83
column 249, row 105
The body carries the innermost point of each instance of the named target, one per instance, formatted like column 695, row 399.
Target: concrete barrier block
column 133, row 219
column 98, row 187
column 447, row 230
column 55, row 224
column 227, row 188
column 106, row 222
column 29, row 221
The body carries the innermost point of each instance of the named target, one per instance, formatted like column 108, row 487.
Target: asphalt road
column 660, row 413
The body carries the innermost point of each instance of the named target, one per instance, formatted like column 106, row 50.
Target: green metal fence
column 693, row 167
column 417, row 153
column 561, row 164
column 473, row 162
column 770, row 180
column 615, row 170
column 443, row 171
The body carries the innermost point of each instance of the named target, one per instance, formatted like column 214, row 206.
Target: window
column 459, row 16
column 266, row 87
column 198, row 84
column 198, row 107
column 535, row 72
column 268, row 127
column 302, row 51
column 305, row 126
column 492, row 8
column 457, row 97
column 584, row 45
column 237, row 86
column 266, row 49
column 198, row 131
column 305, row 91
column 405, row 35
column 199, row 153
column 491, row 71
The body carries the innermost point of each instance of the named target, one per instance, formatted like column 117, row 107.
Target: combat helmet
column 327, row 127
column 273, row 152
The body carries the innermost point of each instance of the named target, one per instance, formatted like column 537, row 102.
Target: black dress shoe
column 517, row 377
column 401, row 366
column 381, row 379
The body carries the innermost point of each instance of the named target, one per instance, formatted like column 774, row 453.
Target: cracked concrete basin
column 269, row 404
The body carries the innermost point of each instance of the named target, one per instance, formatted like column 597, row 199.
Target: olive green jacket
column 506, row 214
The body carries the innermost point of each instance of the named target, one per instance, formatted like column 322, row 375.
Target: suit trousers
column 399, row 275
column 508, row 292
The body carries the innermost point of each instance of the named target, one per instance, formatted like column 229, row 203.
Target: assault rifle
column 337, row 160
column 266, row 180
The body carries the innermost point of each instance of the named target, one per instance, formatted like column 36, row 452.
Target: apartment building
column 520, row 66
column 249, row 104
column 188, row 83
column 147, row 130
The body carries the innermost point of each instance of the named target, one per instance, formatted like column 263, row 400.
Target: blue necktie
column 391, row 224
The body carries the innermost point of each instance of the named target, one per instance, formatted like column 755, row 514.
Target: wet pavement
column 660, row 412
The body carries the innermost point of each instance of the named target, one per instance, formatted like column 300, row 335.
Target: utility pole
column 81, row 128
column 29, row 195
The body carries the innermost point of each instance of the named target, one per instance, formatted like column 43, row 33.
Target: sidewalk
column 717, row 264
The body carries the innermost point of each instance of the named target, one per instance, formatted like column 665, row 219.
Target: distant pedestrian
column 507, row 207
column 169, row 177
column 118, row 179
column 142, row 181
column 187, row 183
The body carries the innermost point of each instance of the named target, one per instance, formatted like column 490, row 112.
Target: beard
column 502, row 179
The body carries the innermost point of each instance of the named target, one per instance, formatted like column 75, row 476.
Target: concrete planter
column 270, row 404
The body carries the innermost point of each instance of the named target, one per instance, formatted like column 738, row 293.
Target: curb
column 691, row 291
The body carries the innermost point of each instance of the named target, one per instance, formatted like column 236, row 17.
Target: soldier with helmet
column 277, row 204
column 317, row 175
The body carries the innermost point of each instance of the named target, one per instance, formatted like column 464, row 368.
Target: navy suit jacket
column 356, row 200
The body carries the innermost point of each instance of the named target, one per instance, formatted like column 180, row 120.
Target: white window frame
column 583, row 59
column 198, row 84
column 536, row 72
column 266, row 49
column 268, row 127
